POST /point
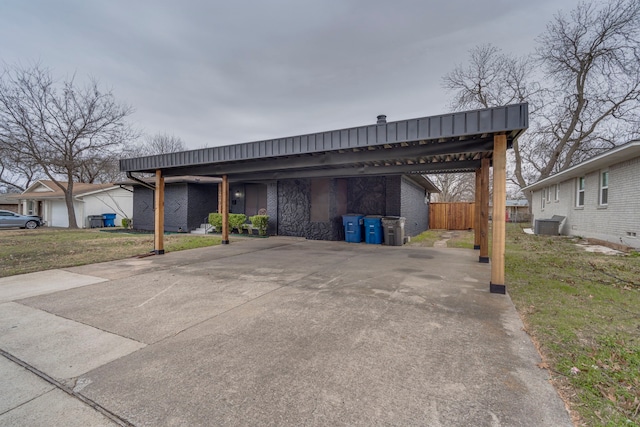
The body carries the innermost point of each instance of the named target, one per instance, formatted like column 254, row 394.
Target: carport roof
column 455, row 142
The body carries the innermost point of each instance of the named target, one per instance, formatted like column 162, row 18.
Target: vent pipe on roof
column 382, row 119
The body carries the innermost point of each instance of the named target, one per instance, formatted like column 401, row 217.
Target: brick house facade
column 598, row 197
column 304, row 207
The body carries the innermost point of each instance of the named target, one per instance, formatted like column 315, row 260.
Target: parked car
column 12, row 219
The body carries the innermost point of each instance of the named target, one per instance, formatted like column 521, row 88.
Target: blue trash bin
column 352, row 227
column 109, row 219
column 373, row 229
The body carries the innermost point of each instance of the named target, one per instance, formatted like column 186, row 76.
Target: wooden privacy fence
column 451, row 216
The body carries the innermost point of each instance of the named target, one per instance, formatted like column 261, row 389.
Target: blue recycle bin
column 373, row 229
column 109, row 219
column 352, row 227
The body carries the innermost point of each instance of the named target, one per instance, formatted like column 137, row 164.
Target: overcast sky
column 217, row 73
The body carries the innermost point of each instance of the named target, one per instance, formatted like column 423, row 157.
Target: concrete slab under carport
column 292, row 332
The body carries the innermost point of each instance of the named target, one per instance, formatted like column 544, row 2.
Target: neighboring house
column 46, row 199
column 518, row 210
column 8, row 203
column 598, row 197
column 304, row 207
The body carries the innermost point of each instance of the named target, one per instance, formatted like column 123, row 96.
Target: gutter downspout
column 141, row 182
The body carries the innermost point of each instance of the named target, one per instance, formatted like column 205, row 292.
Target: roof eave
column 616, row 155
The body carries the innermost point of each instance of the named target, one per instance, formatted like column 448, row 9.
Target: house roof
column 455, row 142
column 424, row 182
column 54, row 192
column 517, row 203
column 8, row 199
column 618, row 154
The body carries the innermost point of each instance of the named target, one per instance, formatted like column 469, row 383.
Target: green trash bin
column 393, row 228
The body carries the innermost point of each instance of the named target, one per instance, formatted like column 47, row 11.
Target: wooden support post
column 497, row 284
column 219, row 198
column 159, row 214
column 225, row 210
column 484, row 211
column 476, row 212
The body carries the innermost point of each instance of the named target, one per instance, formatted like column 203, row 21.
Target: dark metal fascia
column 510, row 119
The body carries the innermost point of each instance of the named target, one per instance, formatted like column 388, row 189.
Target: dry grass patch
column 455, row 238
column 26, row 251
column 583, row 311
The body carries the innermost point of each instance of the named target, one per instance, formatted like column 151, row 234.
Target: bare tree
column 582, row 85
column 160, row 143
column 491, row 78
column 17, row 174
column 58, row 126
column 100, row 169
column 592, row 57
column 459, row 187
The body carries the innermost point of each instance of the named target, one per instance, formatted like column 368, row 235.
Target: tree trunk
column 71, row 211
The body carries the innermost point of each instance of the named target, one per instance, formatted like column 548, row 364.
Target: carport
column 471, row 141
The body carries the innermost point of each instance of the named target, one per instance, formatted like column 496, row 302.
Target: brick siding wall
column 414, row 208
column 611, row 222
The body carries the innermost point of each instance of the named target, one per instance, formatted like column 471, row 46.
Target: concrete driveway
column 277, row 331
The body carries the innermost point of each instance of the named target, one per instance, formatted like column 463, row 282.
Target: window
column 580, row 192
column 549, row 194
column 556, row 194
column 543, row 199
column 604, row 188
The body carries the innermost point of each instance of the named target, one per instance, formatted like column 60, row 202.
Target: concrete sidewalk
column 277, row 331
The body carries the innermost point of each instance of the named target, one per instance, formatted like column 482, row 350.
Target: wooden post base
column 497, row 289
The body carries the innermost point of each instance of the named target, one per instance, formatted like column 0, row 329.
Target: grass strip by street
column 583, row 311
column 26, row 251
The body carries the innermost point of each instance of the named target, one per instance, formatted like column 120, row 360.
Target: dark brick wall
column 185, row 206
column 293, row 207
column 393, row 196
column 236, row 203
column 366, row 195
column 333, row 229
column 289, row 204
column 413, row 208
column 143, row 218
column 176, row 201
column 203, row 200
column 272, row 207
